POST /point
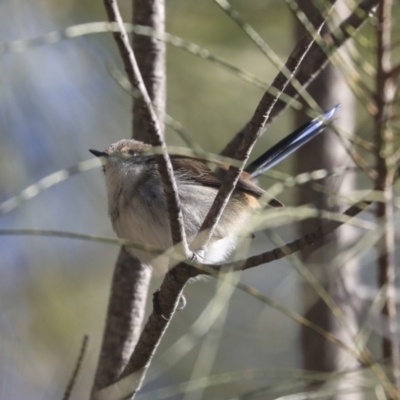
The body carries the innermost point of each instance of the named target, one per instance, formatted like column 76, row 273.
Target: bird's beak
column 98, row 153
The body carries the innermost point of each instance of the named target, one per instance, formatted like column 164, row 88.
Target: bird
column 137, row 204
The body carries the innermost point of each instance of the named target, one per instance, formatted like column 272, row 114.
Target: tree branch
column 125, row 315
column 316, row 60
column 168, row 297
column 150, row 56
column 153, row 129
column 253, row 131
column 131, row 278
column 386, row 169
column 165, row 302
column 78, row 364
column 311, row 239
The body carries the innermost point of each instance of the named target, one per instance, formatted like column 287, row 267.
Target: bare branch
column 153, row 128
column 386, row 169
column 131, row 278
column 165, row 302
column 150, row 57
column 167, row 298
column 316, row 60
column 266, row 49
column 125, row 315
column 78, row 364
column 252, row 132
column 311, row 239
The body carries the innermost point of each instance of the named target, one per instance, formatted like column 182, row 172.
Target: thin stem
column 153, row 128
column 252, row 132
column 316, row 60
column 78, row 364
column 384, row 138
column 131, row 278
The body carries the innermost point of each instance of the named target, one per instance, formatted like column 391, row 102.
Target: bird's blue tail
column 291, row 143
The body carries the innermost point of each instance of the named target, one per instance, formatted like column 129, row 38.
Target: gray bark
column 131, row 279
column 150, row 56
column 327, row 151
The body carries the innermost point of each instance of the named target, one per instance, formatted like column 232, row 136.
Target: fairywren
column 137, row 205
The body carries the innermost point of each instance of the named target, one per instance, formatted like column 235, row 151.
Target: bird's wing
column 212, row 174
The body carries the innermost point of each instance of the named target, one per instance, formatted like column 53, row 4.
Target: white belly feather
column 142, row 218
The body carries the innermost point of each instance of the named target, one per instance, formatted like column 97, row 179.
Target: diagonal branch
column 165, row 301
column 316, row 60
column 386, row 169
column 311, row 239
column 253, row 131
column 78, row 365
column 171, row 289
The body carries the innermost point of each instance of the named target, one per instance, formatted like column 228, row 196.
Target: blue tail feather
column 291, row 143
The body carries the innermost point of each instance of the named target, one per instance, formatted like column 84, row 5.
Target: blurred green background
column 57, row 101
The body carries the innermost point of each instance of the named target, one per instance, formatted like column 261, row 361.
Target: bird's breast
column 142, row 216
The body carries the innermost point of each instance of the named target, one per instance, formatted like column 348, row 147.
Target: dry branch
column 316, row 61
column 167, row 299
column 124, row 319
column 254, row 130
column 386, row 169
column 153, row 128
column 78, row 364
column 299, row 244
column 131, row 279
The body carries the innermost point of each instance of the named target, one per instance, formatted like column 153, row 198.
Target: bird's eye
column 131, row 152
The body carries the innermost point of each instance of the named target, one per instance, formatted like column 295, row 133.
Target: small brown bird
column 137, row 205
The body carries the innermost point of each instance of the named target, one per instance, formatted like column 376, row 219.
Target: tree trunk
column 131, row 279
column 327, row 151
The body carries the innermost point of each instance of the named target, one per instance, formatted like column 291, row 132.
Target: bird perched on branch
column 137, row 204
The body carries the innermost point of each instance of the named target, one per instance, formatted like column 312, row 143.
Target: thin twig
column 153, row 128
column 169, row 121
column 165, row 301
column 305, row 241
column 173, row 286
column 131, row 278
column 79, row 236
column 386, row 170
column 78, row 364
column 168, row 296
column 252, row 132
column 266, row 49
column 316, row 60
column 89, row 28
